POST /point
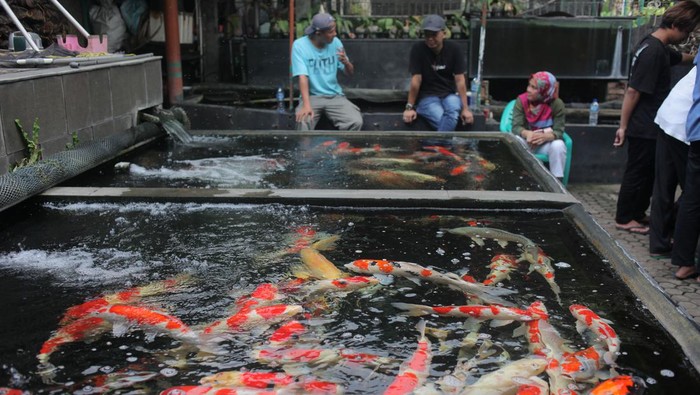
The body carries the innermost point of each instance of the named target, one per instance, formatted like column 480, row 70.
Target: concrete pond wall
column 95, row 102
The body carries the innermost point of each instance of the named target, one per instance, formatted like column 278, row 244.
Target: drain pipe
column 172, row 52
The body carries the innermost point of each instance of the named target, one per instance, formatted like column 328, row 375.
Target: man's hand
column 409, row 116
column 342, row 58
column 619, row 138
column 466, row 116
column 305, row 114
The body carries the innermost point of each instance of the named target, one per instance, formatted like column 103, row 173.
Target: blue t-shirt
column 692, row 126
column 319, row 65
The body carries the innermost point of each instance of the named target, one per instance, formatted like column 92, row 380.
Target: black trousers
column 688, row 223
column 637, row 181
column 670, row 164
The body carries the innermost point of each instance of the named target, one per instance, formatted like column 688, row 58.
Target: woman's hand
column 535, row 138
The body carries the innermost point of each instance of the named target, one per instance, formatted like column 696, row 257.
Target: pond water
column 58, row 254
column 320, row 162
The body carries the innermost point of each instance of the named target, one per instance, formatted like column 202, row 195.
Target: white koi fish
column 478, row 234
column 416, row 272
column 503, row 381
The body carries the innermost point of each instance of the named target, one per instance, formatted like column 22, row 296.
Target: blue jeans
column 442, row 114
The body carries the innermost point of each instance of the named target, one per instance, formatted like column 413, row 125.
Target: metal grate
column 404, row 7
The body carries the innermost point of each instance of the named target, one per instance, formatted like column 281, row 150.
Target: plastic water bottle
column 593, row 113
column 474, row 105
column 279, row 95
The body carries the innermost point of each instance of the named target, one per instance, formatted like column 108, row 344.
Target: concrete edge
column 674, row 320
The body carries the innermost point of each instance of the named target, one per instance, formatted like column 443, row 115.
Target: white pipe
column 70, row 18
column 19, row 25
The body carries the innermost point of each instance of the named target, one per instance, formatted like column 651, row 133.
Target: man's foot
column 633, row 227
column 686, row 272
column 660, row 255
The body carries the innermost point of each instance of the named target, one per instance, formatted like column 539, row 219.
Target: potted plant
column 389, row 26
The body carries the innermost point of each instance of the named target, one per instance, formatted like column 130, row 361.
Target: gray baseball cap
column 434, row 23
column 319, row 22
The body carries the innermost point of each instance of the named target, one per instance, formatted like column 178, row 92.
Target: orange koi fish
column 587, row 319
column 129, row 296
column 260, row 316
column 150, row 320
column 416, row 272
column 582, row 365
column 356, row 357
column 501, row 266
column 305, row 235
column 78, row 330
column 444, row 152
column 203, row 390
column 316, row 357
column 532, row 386
column 263, row 294
column 12, row 391
column 477, row 312
column 461, row 169
column 248, row 379
column 287, row 332
column 620, row 385
column 315, row 265
column 412, row 373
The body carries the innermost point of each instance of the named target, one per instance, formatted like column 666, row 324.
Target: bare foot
column 686, row 272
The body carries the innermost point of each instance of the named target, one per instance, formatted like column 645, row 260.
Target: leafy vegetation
column 35, row 150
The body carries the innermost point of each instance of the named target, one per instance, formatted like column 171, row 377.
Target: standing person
column 649, row 84
column 688, row 223
column 539, row 119
column 316, row 59
column 438, row 84
column 671, row 161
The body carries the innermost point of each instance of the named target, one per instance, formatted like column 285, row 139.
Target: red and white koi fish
column 504, row 380
column 413, row 372
column 315, row 265
column 149, row 320
column 287, row 332
column 204, row 390
column 587, row 319
column 582, row 365
column 12, row 391
column 358, row 357
column 501, row 266
column 416, row 272
column 444, row 152
column 311, row 356
column 347, row 284
column 264, row 294
column 533, row 331
column 244, row 320
column 546, row 269
column 248, row 379
column 129, row 296
column 620, row 385
column 79, row 330
column 532, row 386
column 461, row 169
column 476, row 312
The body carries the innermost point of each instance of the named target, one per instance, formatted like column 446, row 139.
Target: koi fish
column 203, row 390
column 477, row 235
column 325, row 244
column 315, row 357
column 119, row 380
column 129, row 296
column 315, row 265
column 501, row 266
column 461, row 169
column 359, row 357
column 12, row 391
column 414, row 371
column 455, row 381
column 532, row 386
column 385, row 162
column 79, row 330
column 264, row 294
column 396, row 178
column 582, row 365
column 256, row 317
column 444, row 152
column 347, row 284
column 587, row 319
column 476, row 312
column 484, row 163
column 248, row 379
column 533, row 331
column 503, row 381
column 620, row 385
column 546, row 269
column 416, row 272
column 287, row 332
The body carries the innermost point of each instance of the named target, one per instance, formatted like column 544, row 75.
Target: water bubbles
column 107, row 369
column 440, row 251
column 651, row 380
column 91, row 370
column 657, row 353
column 466, row 253
column 358, row 251
column 454, row 261
column 562, row 265
column 168, row 372
column 667, row 373
column 351, row 224
column 132, row 359
column 358, row 338
column 483, row 336
column 411, row 295
column 346, row 335
column 440, row 233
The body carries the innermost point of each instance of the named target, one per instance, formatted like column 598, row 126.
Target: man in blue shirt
column 688, row 222
column 316, row 59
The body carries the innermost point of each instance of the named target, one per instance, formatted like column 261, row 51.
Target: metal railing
column 575, row 8
column 402, row 7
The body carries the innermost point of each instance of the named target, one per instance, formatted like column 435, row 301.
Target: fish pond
column 317, row 161
column 55, row 254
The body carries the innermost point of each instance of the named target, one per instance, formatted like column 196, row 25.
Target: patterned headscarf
column 547, row 90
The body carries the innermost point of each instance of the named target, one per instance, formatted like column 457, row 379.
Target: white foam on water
column 562, row 265
column 153, row 209
column 78, row 266
column 224, row 172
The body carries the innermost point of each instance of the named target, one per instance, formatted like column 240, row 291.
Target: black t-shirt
column 437, row 70
column 650, row 74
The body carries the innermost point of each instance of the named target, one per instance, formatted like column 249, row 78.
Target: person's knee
column 355, row 122
column 558, row 146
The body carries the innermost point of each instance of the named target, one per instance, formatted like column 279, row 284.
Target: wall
column 94, row 101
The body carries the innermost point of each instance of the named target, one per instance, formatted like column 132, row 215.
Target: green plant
column 343, row 26
column 33, row 145
column 280, row 28
column 74, row 141
column 414, row 24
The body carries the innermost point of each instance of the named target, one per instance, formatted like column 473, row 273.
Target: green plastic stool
column 507, row 126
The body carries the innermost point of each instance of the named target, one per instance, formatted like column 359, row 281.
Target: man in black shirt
column 649, row 84
column 438, row 85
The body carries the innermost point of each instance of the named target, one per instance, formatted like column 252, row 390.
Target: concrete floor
column 600, row 201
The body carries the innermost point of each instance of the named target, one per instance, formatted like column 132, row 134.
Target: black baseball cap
column 434, row 23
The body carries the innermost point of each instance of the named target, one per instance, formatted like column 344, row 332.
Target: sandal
column 687, row 276
column 638, row 230
column 660, row 256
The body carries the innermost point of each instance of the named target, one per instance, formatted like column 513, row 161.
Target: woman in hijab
column 538, row 119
